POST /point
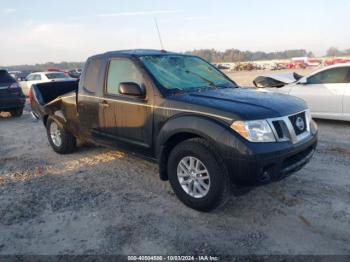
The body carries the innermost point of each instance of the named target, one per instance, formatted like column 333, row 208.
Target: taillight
column 14, row 85
column 30, row 95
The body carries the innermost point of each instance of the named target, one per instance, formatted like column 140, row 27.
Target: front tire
column 198, row 175
column 60, row 139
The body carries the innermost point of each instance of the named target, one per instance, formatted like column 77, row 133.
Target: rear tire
column 195, row 160
column 16, row 112
column 60, row 139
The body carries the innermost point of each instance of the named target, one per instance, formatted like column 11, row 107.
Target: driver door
column 324, row 91
column 126, row 118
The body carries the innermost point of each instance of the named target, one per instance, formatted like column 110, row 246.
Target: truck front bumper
column 267, row 162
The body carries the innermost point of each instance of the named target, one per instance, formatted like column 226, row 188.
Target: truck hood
column 243, row 103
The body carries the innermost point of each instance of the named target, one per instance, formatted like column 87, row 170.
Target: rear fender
column 58, row 117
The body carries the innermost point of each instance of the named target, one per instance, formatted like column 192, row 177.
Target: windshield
column 56, row 75
column 177, row 72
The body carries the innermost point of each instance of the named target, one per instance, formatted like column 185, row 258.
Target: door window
column 91, row 76
column 119, row 71
column 56, row 76
column 30, row 78
column 331, row 76
column 37, row 77
column 347, row 80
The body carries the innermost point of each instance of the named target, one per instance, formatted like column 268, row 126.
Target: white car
column 42, row 77
column 326, row 91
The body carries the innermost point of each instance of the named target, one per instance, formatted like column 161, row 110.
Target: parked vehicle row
column 42, row 77
column 205, row 132
column 19, row 75
column 16, row 85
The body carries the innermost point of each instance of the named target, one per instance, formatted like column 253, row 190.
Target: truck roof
column 135, row 53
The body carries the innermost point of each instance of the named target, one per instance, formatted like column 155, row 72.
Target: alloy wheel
column 193, row 177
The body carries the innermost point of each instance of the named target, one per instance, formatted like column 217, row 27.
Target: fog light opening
column 266, row 174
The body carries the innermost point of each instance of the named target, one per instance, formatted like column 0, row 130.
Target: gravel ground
column 100, row 201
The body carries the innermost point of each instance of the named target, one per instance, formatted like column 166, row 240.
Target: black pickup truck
column 205, row 132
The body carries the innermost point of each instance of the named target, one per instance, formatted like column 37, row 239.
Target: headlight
column 313, row 127
column 312, row 123
column 254, row 131
column 308, row 115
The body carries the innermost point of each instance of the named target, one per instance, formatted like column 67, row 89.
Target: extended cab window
column 119, row 71
column 331, row 76
column 91, row 75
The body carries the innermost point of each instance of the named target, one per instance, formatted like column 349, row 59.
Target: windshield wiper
column 211, row 83
column 226, row 85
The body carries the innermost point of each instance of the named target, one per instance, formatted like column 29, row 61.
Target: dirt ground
column 102, row 201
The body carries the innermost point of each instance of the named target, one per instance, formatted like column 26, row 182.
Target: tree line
column 333, row 51
column 235, row 55
column 211, row 55
column 45, row 66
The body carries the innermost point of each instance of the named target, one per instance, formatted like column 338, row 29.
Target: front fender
column 216, row 132
column 197, row 125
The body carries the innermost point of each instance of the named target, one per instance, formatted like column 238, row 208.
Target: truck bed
column 47, row 92
column 44, row 97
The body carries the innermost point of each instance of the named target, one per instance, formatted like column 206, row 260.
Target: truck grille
column 299, row 123
column 281, row 129
column 292, row 128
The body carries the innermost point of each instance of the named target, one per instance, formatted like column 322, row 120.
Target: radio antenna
column 159, row 36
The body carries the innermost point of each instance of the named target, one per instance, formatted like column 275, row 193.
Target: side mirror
column 131, row 89
column 303, row 81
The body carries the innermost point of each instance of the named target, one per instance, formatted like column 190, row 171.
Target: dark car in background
column 21, row 76
column 12, row 98
column 75, row 73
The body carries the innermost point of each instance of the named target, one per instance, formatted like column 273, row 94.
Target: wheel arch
column 58, row 117
column 182, row 128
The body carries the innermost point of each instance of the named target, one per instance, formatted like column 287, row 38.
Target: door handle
column 104, row 103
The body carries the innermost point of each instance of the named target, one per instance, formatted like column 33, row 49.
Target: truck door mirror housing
column 131, row 89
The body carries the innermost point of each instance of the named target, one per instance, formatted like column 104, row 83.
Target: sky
column 38, row 31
